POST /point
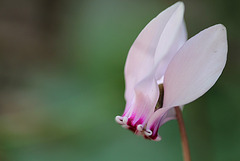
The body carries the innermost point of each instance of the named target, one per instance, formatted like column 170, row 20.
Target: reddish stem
column 185, row 147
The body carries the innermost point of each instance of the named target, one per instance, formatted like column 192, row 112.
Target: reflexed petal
column 170, row 115
column 142, row 106
column 140, row 60
column 165, row 58
column 160, row 117
column 172, row 38
column 155, row 121
column 196, row 67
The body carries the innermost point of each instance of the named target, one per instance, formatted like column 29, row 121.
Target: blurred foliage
column 62, row 82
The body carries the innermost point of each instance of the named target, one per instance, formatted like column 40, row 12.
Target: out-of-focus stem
column 185, row 146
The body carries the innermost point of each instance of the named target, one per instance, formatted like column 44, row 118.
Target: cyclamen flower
column 161, row 54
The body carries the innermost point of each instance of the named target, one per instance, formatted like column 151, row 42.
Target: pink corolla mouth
column 148, row 134
column 129, row 123
column 137, row 128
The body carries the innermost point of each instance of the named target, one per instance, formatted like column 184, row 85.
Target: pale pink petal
column 142, row 90
column 170, row 115
column 155, row 121
column 173, row 45
column 172, row 38
column 142, row 105
column 196, row 67
column 140, row 60
column 159, row 117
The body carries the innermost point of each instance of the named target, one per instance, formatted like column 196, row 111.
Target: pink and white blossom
column 161, row 54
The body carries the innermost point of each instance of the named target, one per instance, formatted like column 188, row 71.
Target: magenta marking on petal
column 154, row 133
column 149, row 135
column 129, row 123
column 140, row 121
column 134, row 127
column 134, row 123
column 146, row 137
column 152, row 137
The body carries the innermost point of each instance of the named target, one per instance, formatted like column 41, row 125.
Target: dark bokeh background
column 61, row 82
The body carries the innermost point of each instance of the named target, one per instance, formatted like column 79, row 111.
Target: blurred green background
column 62, row 84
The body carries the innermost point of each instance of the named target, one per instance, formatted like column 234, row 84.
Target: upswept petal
column 172, row 38
column 196, row 67
column 177, row 43
column 170, row 115
column 140, row 60
column 155, row 121
column 142, row 106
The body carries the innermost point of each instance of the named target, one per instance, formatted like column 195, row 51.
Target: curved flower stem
column 185, row 147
